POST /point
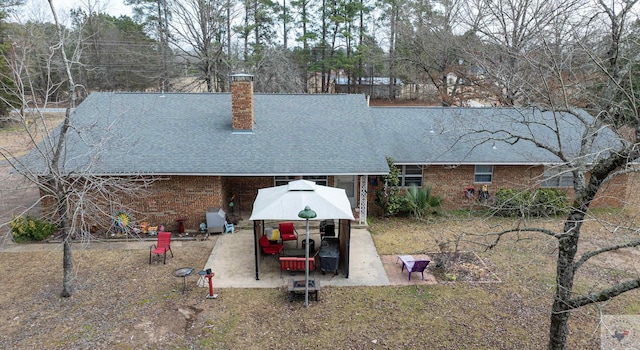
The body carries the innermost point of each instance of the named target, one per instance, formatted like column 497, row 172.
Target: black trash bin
column 312, row 246
column 329, row 254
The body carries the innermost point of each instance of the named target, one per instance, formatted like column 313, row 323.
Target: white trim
column 364, row 184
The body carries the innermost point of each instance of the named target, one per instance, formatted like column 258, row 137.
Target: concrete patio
column 233, row 262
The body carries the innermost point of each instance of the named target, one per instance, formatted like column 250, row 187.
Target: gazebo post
column 256, row 248
column 306, row 214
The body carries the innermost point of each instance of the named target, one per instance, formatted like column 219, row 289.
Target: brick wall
column 164, row 201
column 180, row 196
column 246, row 191
column 242, row 105
column 632, row 198
column 449, row 183
column 617, row 193
column 191, row 196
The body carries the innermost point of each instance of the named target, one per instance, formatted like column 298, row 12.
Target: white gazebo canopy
column 286, row 201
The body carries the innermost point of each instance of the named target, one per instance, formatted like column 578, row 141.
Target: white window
column 483, row 174
column 283, row 180
column 319, row 180
column 410, row 175
column 559, row 177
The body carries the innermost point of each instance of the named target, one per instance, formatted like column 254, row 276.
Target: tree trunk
column 558, row 328
column 305, row 46
column 323, row 46
column 55, row 168
column 567, row 249
column 67, row 266
column 393, row 23
column 284, row 24
column 228, row 23
column 67, row 257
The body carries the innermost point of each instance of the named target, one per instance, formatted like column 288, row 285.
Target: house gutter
column 234, row 174
column 477, row 163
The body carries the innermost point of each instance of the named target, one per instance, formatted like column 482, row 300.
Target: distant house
column 211, row 149
column 374, row 87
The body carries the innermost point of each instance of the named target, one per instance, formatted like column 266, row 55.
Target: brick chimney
column 242, row 102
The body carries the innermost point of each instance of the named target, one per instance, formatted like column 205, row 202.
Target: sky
column 39, row 9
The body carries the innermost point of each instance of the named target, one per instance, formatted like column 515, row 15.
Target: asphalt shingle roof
column 191, row 134
column 441, row 135
column 153, row 133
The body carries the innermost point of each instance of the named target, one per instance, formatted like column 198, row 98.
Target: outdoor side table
column 201, row 281
column 183, row 272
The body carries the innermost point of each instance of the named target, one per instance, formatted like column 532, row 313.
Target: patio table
column 183, row 272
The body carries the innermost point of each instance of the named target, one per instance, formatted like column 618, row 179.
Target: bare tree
column 156, row 14
column 510, row 29
column 74, row 198
column 199, row 31
column 433, row 52
column 117, row 55
column 277, row 72
column 583, row 84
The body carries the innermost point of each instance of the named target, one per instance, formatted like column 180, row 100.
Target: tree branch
column 591, row 254
column 603, row 295
column 520, row 230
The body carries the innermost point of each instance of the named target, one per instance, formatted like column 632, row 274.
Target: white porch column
column 364, row 181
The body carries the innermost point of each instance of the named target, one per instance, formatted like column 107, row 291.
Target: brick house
column 452, row 149
column 207, row 150
column 204, row 149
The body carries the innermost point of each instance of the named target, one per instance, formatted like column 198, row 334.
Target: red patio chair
column 269, row 248
column 288, row 232
column 162, row 247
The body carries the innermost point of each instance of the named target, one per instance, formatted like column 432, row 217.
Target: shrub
column 30, row 229
column 390, row 198
column 540, row 202
column 419, row 200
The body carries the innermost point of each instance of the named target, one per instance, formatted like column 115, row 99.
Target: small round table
column 201, row 280
column 183, row 272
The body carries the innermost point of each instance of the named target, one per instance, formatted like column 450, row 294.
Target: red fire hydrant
column 209, row 276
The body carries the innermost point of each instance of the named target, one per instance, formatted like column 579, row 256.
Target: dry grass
column 122, row 302
column 14, row 139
